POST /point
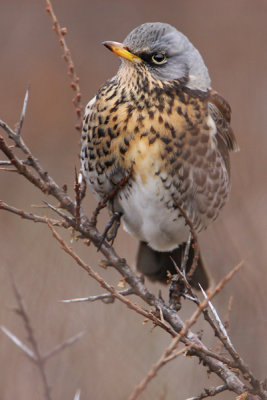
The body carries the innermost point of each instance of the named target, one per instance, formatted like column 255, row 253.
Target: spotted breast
column 174, row 138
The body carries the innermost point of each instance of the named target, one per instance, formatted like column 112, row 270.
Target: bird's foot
column 111, row 229
column 177, row 290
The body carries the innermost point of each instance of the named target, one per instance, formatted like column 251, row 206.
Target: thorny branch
column 32, row 340
column 105, row 297
column 34, row 354
column 32, row 217
column 169, row 353
column 72, row 216
column 210, row 392
column 61, row 32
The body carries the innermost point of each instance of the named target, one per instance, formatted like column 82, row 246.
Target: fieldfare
column 159, row 122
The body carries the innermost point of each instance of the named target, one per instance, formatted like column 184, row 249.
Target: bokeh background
column 117, row 348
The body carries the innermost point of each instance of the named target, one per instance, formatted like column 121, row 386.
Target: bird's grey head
column 168, row 54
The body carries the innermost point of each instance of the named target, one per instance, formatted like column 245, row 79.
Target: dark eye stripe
column 148, row 57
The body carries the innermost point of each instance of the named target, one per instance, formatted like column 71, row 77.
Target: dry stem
column 61, row 32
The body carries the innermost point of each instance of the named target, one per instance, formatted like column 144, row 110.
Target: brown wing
column 221, row 113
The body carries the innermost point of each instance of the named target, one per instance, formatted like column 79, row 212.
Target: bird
column 159, row 122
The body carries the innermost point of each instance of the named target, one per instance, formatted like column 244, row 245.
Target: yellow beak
column 121, row 51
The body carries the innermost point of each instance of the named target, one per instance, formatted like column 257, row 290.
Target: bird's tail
column 155, row 264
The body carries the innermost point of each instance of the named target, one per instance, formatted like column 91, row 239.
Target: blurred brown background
column 117, row 349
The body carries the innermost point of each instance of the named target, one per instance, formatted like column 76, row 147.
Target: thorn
column 64, row 31
column 23, row 112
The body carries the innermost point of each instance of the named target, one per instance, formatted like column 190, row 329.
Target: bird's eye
column 159, row 58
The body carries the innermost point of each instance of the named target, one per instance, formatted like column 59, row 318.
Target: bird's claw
column 111, row 229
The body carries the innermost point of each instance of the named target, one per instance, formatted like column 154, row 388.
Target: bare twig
column 34, row 355
column 77, row 395
column 9, row 164
column 46, row 183
column 63, row 345
column 105, row 297
column 226, row 323
column 32, row 217
column 210, row 392
column 224, row 337
column 61, row 32
column 153, row 371
column 23, row 112
column 31, row 337
column 218, row 320
column 69, row 219
column 78, row 199
column 20, row 166
column 29, row 353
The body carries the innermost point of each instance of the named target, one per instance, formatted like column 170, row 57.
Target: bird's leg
column 109, row 196
column 111, row 229
column 176, row 292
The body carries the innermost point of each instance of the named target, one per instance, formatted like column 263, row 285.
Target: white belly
column 147, row 217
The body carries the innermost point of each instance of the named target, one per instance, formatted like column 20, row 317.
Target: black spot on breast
column 107, row 120
column 126, row 141
column 101, row 132
column 140, row 118
column 92, row 155
column 151, row 114
column 165, row 139
column 99, row 168
column 112, row 95
column 111, row 134
column 122, row 149
column 105, row 150
column 152, row 139
column 172, row 159
column 109, row 163
column 99, row 152
column 179, row 110
column 169, row 149
column 144, row 134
